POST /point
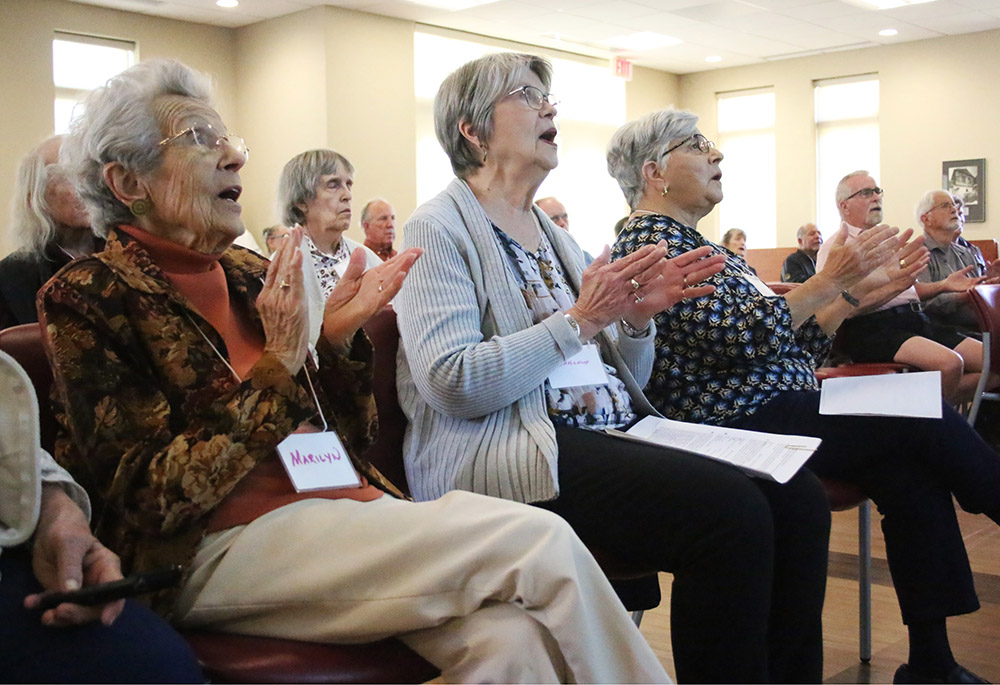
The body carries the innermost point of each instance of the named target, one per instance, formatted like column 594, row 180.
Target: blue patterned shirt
column 720, row 358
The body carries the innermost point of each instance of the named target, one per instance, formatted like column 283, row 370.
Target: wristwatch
column 851, row 300
column 633, row 332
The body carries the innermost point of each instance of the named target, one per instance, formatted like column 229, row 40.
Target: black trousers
column 910, row 468
column 748, row 556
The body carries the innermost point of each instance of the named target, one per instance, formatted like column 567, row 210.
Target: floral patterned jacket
column 721, row 357
column 153, row 423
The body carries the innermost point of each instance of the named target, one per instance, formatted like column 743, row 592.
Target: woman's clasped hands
column 640, row 285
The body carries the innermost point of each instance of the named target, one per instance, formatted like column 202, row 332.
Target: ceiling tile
column 613, row 11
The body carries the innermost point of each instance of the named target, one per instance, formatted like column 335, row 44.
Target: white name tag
column 760, row 285
column 583, row 368
column 317, row 461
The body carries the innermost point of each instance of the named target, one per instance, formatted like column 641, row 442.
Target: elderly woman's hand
column 677, row 280
column 360, row 294
column 849, row 261
column 608, row 289
column 282, row 305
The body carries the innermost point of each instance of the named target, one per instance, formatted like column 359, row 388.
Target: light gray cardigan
column 471, row 364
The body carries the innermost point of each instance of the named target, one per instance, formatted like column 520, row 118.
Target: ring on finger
column 638, row 298
column 380, row 286
column 685, row 281
column 284, row 285
column 902, row 263
column 635, row 284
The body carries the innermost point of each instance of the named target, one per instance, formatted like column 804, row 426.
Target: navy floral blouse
column 720, row 358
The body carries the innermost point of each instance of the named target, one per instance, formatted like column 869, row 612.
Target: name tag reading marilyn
column 583, row 368
column 760, row 285
column 317, row 461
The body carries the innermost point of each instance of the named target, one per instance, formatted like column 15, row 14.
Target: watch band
column 633, row 332
column 851, row 300
column 573, row 323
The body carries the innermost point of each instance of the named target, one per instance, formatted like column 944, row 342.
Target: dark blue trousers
column 139, row 648
column 910, row 468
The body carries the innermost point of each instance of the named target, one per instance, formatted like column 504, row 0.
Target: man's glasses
column 535, row 98
column 698, row 142
column 866, row 193
column 206, row 136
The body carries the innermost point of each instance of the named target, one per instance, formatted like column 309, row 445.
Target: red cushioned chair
column 228, row 658
column 638, row 588
column 985, row 300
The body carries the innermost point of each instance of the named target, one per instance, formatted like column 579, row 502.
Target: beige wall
column 650, row 90
column 333, row 78
column 937, row 104
column 26, row 28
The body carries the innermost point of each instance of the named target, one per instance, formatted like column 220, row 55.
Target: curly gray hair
column 300, row 178
column 469, row 94
column 645, row 140
column 118, row 125
column 31, row 224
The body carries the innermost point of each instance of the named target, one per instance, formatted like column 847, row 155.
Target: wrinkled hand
column 960, row 281
column 66, row 556
column 361, row 294
column 849, row 261
column 282, row 305
column 606, row 287
column 677, row 280
column 900, row 272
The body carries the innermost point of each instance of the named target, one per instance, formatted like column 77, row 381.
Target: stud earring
column 665, row 190
column 141, row 206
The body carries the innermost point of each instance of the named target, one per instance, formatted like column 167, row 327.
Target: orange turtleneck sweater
column 201, row 279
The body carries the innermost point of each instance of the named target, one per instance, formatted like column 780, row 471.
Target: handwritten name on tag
column 317, row 461
column 583, row 368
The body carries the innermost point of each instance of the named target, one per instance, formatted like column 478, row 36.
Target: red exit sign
column 621, row 67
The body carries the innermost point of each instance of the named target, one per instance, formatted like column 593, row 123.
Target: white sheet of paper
column 769, row 455
column 896, row 394
column 760, row 285
column 583, row 368
column 317, row 461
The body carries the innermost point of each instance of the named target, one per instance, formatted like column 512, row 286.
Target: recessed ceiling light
column 227, row 3
column 644, row 40
column 888, row 32
column 713, row 58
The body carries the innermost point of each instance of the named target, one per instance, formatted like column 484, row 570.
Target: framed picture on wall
column 966, row 178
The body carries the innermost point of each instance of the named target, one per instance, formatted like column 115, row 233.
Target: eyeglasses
column 698, row 142
column 946, row 205
column 535, row 98
column 866, row 193
column 206, row 136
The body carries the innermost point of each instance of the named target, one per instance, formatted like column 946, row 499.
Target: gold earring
column 486, row 152
column 141, row 206
column 665, row 190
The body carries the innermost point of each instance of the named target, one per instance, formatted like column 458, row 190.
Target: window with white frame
column 746, row 138
column 80, row 64
column 847, row 139
column 591, row 108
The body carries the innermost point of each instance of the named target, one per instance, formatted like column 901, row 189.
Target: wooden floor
column 975, row 639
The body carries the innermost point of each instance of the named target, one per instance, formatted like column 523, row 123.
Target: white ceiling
column 738, row 31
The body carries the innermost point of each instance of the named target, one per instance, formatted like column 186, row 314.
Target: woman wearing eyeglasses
column 516, row 357
column 745, row 357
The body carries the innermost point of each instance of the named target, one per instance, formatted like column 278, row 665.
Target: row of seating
column 235, row 658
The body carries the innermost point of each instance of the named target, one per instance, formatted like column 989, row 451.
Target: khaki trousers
column 485, row 589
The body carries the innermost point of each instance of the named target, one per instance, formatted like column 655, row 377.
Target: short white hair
column 926, row 202
column 801, row 233
column 645, row 140
column 367, row 209
column 118, row 124
column 842, row 190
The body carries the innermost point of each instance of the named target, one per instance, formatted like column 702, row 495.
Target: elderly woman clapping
column 746, row 358
column 515, row 356
column 181, row 364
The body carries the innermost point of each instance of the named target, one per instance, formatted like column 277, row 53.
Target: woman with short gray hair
column 497, row 319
